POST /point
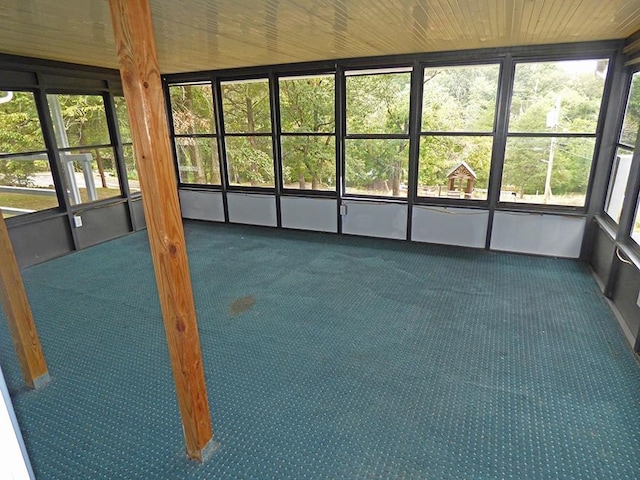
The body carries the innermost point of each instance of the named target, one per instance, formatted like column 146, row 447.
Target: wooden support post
column 16, row 309
column 142, row 86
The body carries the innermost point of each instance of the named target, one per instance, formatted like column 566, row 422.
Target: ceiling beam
column 136, row 47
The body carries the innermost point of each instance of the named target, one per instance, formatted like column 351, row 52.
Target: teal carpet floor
column 331, row 357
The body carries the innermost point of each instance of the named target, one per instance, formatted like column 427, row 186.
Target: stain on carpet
column 240, row 305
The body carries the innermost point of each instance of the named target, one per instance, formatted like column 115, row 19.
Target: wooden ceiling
column 197, row 35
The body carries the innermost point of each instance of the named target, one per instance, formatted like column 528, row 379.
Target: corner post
column 19, row 317
column 136, row 47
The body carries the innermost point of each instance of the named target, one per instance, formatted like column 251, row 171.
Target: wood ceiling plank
column 202, row 34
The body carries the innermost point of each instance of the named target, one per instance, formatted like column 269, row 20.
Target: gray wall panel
column 465, row 227
column 102, row 224
column 625, row 295
column 252, row 209
column 202, row 205
column 375, row 219
column 40, row 241
column 602, row 254
column 137, row 210
column 539, row 234
column 318, row 214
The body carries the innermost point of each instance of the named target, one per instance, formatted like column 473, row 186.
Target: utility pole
column 553, row 118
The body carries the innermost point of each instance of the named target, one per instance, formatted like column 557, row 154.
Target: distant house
column 457, row 176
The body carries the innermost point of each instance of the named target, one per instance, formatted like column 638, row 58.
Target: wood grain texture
column 195, row 35
column 143, row 93
column 18, row 313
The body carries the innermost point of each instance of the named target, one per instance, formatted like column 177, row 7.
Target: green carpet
column 331, row 357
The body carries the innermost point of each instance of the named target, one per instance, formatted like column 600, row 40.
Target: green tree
column 192, row 112
column 378, row 104
column 20, row 132
column 247, row 111
column 307, row 105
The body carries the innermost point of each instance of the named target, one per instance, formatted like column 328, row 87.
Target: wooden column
column 19, row 317
column 142, row 86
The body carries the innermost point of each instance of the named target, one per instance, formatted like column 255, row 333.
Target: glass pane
column 123, row 119
column 546, row 170
column 377, row 167
column 378, row 103
column 79, row 120
column 307, row 104
column 557, row 96
column 459, row 99
column 618, row 183
column 250, row 161
column 91, row 174
column 26, row 185
column 454, row 167
column 635, row 228
column 192, row 108
column 631, row 123
column 246, row 107
column 198, row 160
column 132, row 170
column 309, row 162
column 19, row 123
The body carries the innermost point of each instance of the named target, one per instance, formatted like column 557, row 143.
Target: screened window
column 26, row 183
column 195, row 137
column 553, row 118
column 247, row 126
column 377, row 139
column 86, row 154
column 456, row 141
column 624, row 152
column 127, row 144
column 635, row 227
column 622, row 161
column 307, row 118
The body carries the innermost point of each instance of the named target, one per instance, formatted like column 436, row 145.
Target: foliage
column 307, row 106
column 540, row 88
column 632, row 115
column 378, row 104
column 457, row 125
column 20, row 132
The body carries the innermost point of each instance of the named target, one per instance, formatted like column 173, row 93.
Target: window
column 377, row 139
column 622, row 161
column 624, row 152
column 307, row 111
column 127, row 145
column 247, row 125
column 86, row 154
column 195, row 136
column 456, row 140
column 553, row 118
column 26, row 183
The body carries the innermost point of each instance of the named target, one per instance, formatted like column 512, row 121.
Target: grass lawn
column 42, row 202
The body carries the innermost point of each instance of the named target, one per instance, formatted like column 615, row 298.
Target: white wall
column 201, row 205
column 523, row 232
column 318, row 214
column 540, row 234
column 14, row 461
column 375, row 219
column 252, row 209
column 465, row 227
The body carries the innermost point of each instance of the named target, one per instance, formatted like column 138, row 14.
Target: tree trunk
column 196, row 158
column 103, row 180
column 314, row 183
column 395, row 180
column 251, row 127
column 215, row 167
column 301, row 182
